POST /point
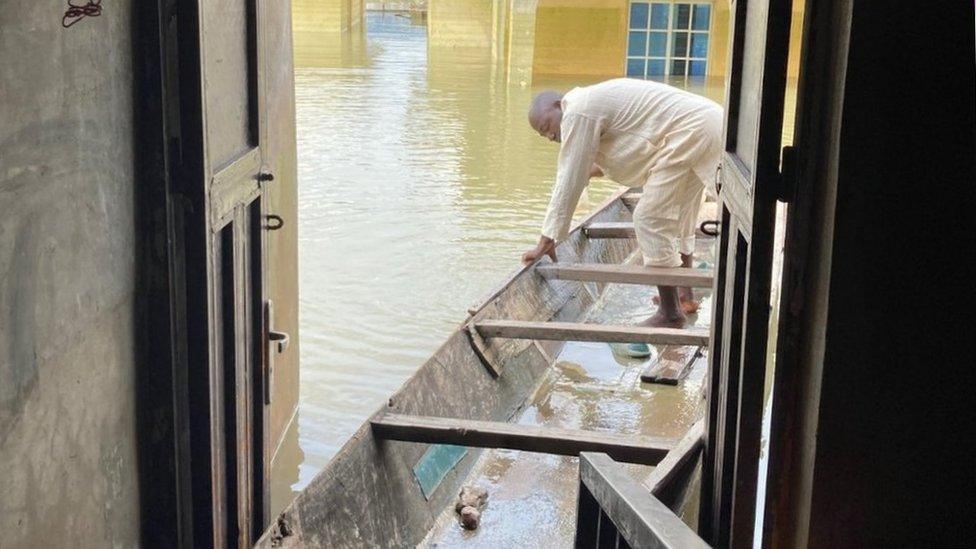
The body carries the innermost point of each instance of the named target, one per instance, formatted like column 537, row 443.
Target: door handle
column 279, row 340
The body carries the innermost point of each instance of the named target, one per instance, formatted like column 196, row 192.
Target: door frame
column 174, row 301
column 748, row 191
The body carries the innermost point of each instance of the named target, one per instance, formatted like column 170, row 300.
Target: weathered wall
column 327, row 15
column 580, row 38
column 718, row 39
column 589, row 38
column 460, row 23
column 67, row 244
column 319, row 26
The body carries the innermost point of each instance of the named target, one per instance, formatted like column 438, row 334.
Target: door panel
column 229, row 78
column 234, row 204
column 748, row 187
column 750, row 86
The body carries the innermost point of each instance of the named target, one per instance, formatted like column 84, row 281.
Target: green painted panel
column 434, row 465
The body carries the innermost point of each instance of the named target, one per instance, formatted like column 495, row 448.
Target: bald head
column 546, row 114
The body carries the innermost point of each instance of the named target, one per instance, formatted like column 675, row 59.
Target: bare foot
column 659, row 320
column 689, row 305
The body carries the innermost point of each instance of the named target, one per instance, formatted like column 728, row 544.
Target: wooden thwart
column 708, row 210
column 672, row 363
column 624, row 229
column 614, row 229
column 627, row 274
column 575, row 331
column 640, row 518
column 630, row 198
column 665, row 480
column 549, row 440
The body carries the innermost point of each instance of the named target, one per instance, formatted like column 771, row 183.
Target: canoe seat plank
column 708, row 210
column 673, row 472
column 529, row 438
column 627, row 274
column 612, row 229
column 671, row 366
column 637, row 516
column 576, row 331
column 623, row 229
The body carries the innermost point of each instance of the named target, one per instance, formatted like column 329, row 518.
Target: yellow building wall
column 580, row 38
column 589, row 37
column 316, row 16
column 796, row 36
column 718, row 39
column 460, row 23
column 320, row 29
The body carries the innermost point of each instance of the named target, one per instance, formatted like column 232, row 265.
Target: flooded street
column 420, row 184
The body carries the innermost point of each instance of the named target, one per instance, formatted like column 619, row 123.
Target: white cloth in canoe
column 641, row 134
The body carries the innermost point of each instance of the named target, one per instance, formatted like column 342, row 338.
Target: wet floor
column 532, row 497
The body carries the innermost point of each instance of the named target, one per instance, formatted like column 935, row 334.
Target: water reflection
column 420, row 185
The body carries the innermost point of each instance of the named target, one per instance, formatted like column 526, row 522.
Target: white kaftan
column 640, row 133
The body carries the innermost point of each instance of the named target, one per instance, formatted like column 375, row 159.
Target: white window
column 668, row 39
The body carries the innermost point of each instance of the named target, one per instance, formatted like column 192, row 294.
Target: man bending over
column 640, row 134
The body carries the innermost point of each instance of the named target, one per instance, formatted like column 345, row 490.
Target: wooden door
column 220, row 49
column 748, row 187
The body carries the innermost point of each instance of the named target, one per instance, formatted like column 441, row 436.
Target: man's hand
column 546, row 246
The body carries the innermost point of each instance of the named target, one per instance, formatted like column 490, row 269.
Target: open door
column 222, row 132
column 748, row 187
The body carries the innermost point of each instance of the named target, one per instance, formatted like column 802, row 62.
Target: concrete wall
column 320, row 27
column 718, row 39
column 327, row 15
column 580, row 38
column 589, row 38
column 460, row 23
column 68, row 475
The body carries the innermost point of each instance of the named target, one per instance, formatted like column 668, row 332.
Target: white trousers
column 666, row 215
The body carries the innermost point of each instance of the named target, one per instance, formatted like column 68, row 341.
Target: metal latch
column 279, row 340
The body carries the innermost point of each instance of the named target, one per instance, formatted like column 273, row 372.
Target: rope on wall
column 77, row 11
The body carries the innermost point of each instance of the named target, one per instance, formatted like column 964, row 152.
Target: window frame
column 669, row 57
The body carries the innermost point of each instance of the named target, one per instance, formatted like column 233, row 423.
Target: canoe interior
column 369, row 495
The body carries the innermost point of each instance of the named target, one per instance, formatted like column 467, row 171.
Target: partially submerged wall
column 580, row 38
column 67, row 246
column 460, row 24
column 321, row 26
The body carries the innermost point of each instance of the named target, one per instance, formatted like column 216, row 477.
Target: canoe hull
column 368, row 495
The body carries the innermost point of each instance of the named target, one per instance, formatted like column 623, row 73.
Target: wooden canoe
column 394, row 477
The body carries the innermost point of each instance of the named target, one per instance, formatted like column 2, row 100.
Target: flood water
column 420, row 185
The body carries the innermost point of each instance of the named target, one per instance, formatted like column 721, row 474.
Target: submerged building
column 593, row 39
